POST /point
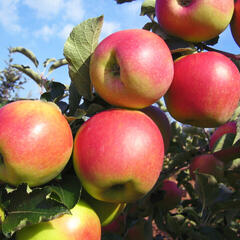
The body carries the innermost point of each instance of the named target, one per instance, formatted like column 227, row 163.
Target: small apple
column 204, row 91
column 229, row 127
column 194, row 20
column 162, row 121
column 168, row 195
column 131, row 68
column 208, row 164
column 235, row 23
column 35, row 142
column 82, row 224
column 107, row 212
column 118, row 155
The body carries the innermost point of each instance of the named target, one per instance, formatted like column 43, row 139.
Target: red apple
column 107, row 212
column 229, row 127
column 162, row 121
column 208, row 164
column 131, row 68
column 235, row 22
column 205, row 89
column 118, row 155
column 194, row 20
column 170, row 194
column 83, row 224
column 35, row 142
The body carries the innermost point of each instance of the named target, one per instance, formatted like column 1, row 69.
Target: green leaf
column 49, row 60
column 57, row 64
column 29, row 54
column 28, row 206
column 66, row 191
column 211, row 233
column 78, row 49
column 225, row 141
column 148, row 8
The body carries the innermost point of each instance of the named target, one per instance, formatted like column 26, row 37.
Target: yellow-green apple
column 208, row 164
column 118, row 155
column 235, row 23
column 227, row 128
column 205, row 89
column 194, row 20
column 117, row 226
column 131, row 68
column 2, row 216
column 82, row 223
column 35, row 142
column 168, row 195
column 162, row 121
column 107, row 212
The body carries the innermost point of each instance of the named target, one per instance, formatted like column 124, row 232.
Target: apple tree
column 196, row 195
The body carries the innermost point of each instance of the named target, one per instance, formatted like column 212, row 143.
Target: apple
column 227, row 128
column 162, row 121
column 118, row 155
column 205, row 89
column 35, row 142
column 117, row 226
column 2, row 216
column 208, row 164
column 107, row 212
column 168, row 195
column 131, row 68
column 83, row 223
column 194, row 20
column 235, row 23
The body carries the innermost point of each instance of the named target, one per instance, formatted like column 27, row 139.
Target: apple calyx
column 184, row 3
column 112, row 66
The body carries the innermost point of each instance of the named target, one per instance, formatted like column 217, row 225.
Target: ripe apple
column 168, row 196
column 208, row 164
column 162, row 121
column 107, row 212
column 227, row 128
column 235, row 22
column 35, row 142
column 118, row 155
column 131, row 68
column 82, row 224
column 205, row 89
column 194, row 20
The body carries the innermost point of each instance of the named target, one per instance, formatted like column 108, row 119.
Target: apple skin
column 107, row 212
column 197, row 21
column 162, row 121
column 82, row 224
column 131, row 68
column 205, row 90
column 235, row 23
column 118, row 155
column 35, row 142
column 172, row 195
column 229, row 127
column 208, row 164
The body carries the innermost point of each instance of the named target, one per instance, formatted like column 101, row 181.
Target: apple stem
column 184, row 3
column 227, row 54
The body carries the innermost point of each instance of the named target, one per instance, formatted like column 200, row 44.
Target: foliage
column 210, row 208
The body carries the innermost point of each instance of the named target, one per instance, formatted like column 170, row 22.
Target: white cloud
column 64, row 33
column 45, row 8
column 110, row 27
column 9, row 15
column 134, row 7
column 73, row 10
column 46, row 32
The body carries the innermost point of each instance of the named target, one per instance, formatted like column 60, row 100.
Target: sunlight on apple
column 73, row 223
column 38, row 129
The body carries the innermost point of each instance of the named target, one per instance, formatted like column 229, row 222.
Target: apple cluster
column 118, row 153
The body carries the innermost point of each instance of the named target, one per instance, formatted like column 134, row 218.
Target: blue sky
column 44, row 25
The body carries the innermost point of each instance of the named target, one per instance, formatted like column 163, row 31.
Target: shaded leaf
column 78, row 49
column 30, row 207
column 148, row 8
column 74, row 99
column 29, row 54
column 124, row 1
column 226, row 140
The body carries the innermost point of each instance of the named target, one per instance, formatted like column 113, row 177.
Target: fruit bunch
column 117, row 160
